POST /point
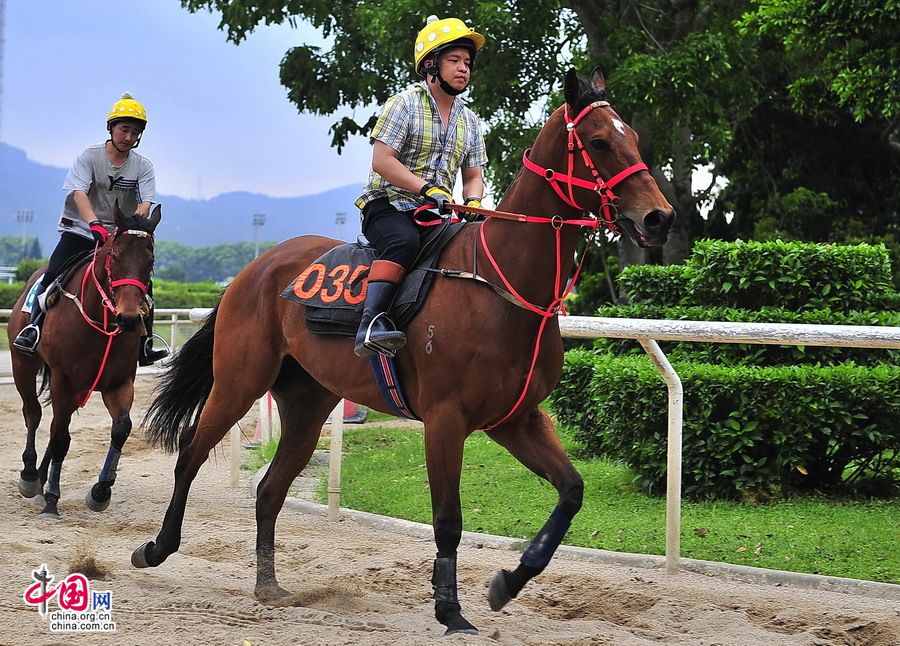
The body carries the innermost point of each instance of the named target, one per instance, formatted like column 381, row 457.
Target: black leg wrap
column 443, row 581
column 446, row 603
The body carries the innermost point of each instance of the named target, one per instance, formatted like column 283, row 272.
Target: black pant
column 393, row 233
column 69, row 245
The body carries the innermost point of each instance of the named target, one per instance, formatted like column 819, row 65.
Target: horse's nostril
column 653, row 219
column 658, row 220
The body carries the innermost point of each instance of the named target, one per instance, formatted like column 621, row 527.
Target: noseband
column 609, row 202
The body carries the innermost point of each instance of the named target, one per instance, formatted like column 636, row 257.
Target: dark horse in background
column 473, row 360
column 89, row 341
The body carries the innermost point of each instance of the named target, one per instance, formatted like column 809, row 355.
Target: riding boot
column 27, row 339
column 376, row 330
column 148, row 355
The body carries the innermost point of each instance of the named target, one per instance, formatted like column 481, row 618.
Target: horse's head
column 127, row 256
column 606, row 154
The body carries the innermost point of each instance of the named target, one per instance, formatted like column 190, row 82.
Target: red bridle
column 609, row 202
column 108, row 305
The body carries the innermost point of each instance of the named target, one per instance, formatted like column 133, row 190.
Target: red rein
column 108, row 306
column 608, row 210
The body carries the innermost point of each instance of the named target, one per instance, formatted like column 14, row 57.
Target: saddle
column 65, row 272
column 50, row 296
column 332, row 288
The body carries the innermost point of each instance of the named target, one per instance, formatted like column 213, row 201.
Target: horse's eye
column 598, row 144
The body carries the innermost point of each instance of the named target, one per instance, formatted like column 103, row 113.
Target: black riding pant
column 393, row 233
column 69, row 245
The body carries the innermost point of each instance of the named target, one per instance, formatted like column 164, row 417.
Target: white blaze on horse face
column 619, row 125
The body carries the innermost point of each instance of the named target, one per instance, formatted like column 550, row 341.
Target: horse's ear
column 155, row 216
column 598, row 83
column 118, row 216
column 572, row 87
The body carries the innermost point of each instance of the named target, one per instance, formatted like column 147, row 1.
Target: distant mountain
column 26, row 185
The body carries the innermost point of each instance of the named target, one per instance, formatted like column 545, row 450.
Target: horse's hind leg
column 118, row 402
column 225, row 406
column 534, row 443
column 303, row 407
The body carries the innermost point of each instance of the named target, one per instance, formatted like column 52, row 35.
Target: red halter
column 608, row 201
column 108, row 306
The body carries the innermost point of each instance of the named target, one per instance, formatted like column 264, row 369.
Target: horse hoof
column 139, row 556
column 270, row 593
column 30, row 488
column 461, row 631
column 93, row 504
column 498, row 593
column 49, row 515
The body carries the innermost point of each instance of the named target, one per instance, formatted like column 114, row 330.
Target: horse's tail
column 183, row 389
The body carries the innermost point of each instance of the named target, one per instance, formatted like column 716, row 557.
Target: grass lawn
column 384, row 473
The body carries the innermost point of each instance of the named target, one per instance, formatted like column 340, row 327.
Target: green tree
column 704, row 82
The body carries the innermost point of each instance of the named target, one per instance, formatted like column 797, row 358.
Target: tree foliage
column 794, row 102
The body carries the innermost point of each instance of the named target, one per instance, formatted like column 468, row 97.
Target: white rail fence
column 647, row 332
column 170, row 323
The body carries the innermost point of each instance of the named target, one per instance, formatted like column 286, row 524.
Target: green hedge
column 664, row 285
column 168, row 294
column 790, row 275
column 752, row 354
column 747, row 431
column 755, row 275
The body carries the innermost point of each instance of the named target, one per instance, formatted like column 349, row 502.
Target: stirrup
column 148, row 355
column 23, row 344
column 389, row 349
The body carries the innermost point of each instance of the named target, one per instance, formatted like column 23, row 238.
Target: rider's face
column 456, row 67
column 125, row 135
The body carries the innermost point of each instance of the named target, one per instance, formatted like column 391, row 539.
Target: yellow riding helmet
column 441, row 32
column 127, row 108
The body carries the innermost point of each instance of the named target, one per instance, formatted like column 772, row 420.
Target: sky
column 218, row 118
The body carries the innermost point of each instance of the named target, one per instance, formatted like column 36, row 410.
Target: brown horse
column 471, row 356
column 88, row 344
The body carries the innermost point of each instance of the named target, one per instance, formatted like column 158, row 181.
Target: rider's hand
column 438, row 196
column 99, row 232
column 476, row 203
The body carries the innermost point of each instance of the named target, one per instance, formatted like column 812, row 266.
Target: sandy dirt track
column 353, row 584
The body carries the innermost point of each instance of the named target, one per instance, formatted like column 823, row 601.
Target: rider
column 100, row 176
column 423, row 136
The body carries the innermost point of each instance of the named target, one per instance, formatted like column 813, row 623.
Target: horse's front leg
column 57, row 448
column 30, row 483
column 118, row 402
column 532, row 440
column 444, row 439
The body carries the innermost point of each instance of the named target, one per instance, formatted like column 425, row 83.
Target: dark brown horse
column 89, row 341
column 468, row 361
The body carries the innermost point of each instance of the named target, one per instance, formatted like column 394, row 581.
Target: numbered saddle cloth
column 333, row 288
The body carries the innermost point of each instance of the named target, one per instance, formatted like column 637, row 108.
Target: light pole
column 259, row 219
column 24, row 218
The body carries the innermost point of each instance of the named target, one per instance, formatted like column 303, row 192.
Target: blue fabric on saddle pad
column 331, row 288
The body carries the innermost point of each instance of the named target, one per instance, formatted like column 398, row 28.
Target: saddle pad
column 29, row 300
column 333, row 288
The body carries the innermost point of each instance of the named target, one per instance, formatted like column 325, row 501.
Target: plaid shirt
column 411, row 124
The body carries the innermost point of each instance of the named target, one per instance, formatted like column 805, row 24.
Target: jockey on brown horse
column 422, row 138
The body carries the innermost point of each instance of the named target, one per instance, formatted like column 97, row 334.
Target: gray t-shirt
column 131, row 183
